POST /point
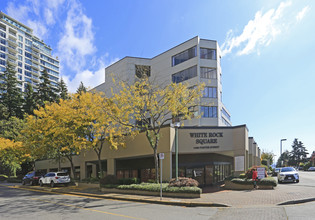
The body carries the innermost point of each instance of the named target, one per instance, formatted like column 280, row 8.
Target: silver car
column 288, row 174
column 54, row 178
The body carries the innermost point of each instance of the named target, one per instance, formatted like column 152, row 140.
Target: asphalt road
column 24, row 204
column 18, row 203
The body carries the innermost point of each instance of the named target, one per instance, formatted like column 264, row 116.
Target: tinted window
column 62, row 174
column 287, row 169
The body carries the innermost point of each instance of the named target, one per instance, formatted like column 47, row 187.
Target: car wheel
column 297, row 181
column 41, row 183
column 279, row 181
column 52, row 184
column 23, row 182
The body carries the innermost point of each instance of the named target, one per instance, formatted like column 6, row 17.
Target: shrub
column 155, row 187
column 3, row 177
column 109, row 180
column 242, row 176
column 182, row 182
column 128, row 181
column 307, row 166
column 268, row 181
column 14, row 180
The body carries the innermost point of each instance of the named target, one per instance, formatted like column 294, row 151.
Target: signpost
column 161, row 156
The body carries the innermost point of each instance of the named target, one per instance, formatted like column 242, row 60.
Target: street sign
column 161, row 156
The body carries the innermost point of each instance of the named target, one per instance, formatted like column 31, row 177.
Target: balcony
column 12, row 62
column 12, row 55
column 12, row 49
column 35, row 48
column 35, row 66
column 12, row 42
column 36, row 61
column 35, row 54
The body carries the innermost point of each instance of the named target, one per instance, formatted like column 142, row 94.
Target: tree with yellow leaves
column 146, row 106
column 12, row 154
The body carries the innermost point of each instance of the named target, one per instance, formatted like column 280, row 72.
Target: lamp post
column 176, row 125
column 281, row 147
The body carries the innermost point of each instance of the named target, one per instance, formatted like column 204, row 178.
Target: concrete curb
column 123, row 198
column 299, row 201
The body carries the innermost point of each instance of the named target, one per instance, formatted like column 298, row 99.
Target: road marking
column 93, row 210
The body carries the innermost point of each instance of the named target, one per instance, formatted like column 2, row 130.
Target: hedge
column 268, row 181
column 155, row 187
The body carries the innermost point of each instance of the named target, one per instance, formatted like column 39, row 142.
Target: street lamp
column 176, row 125
column 281, row 147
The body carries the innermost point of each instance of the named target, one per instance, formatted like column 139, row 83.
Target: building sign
column 260, row 172
column 204, row 139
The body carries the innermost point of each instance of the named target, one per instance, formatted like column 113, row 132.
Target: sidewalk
column 223, row 198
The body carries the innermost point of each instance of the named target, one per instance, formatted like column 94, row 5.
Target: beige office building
column 209, row 147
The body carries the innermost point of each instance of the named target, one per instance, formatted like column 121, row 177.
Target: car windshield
column 287, row 169
column 277, row 169
column 62, row 174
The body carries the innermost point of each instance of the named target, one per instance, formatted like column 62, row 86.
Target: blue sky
column 267, row 65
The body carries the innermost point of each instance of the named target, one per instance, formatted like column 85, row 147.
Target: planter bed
column 151, row 193
column 248, row 186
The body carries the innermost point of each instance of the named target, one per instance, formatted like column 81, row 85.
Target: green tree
column 267, row 156
column 81, row 89
column 147, row 106
column 10, row 94
column 298, row 153
column 45, row 92
column 11, row 128
column 283, row 159
column 29, row 104
column 63, row 90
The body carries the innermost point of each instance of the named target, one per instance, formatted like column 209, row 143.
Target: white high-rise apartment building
column 194, row 61
column 26, row 52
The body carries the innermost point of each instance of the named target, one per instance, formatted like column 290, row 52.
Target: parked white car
column 54, row 178
column 288, row 174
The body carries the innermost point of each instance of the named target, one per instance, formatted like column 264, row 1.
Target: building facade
column 26, row 53
column 209, row 147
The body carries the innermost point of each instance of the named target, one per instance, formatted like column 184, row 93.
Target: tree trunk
column 156, row 163
column 72, row 166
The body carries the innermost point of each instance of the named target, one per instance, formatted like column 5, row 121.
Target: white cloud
column 261, row 31
column 302, row 13
column 78, row 37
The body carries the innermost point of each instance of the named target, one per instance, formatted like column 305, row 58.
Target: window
column 2, row 34
column 142, row 71
column 28, row 61
column 210, row 92
column 20, row 64
column 20, row 57
column 208, row 73
column 2, row 41
column 27, row 73
column 28, row 42
column 184, row 75
column 29, row 49
column 208, row 112
column 28, row 55
column 226, row 114
column 183, row 56
column 2, row 62
column 27, row 67
column 20, row 38
column 2, row 48
column 2, row 55
column 206, row 53
column 19, row 70
column 20, row 45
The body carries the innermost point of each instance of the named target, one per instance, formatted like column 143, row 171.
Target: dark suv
column 32, row 178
